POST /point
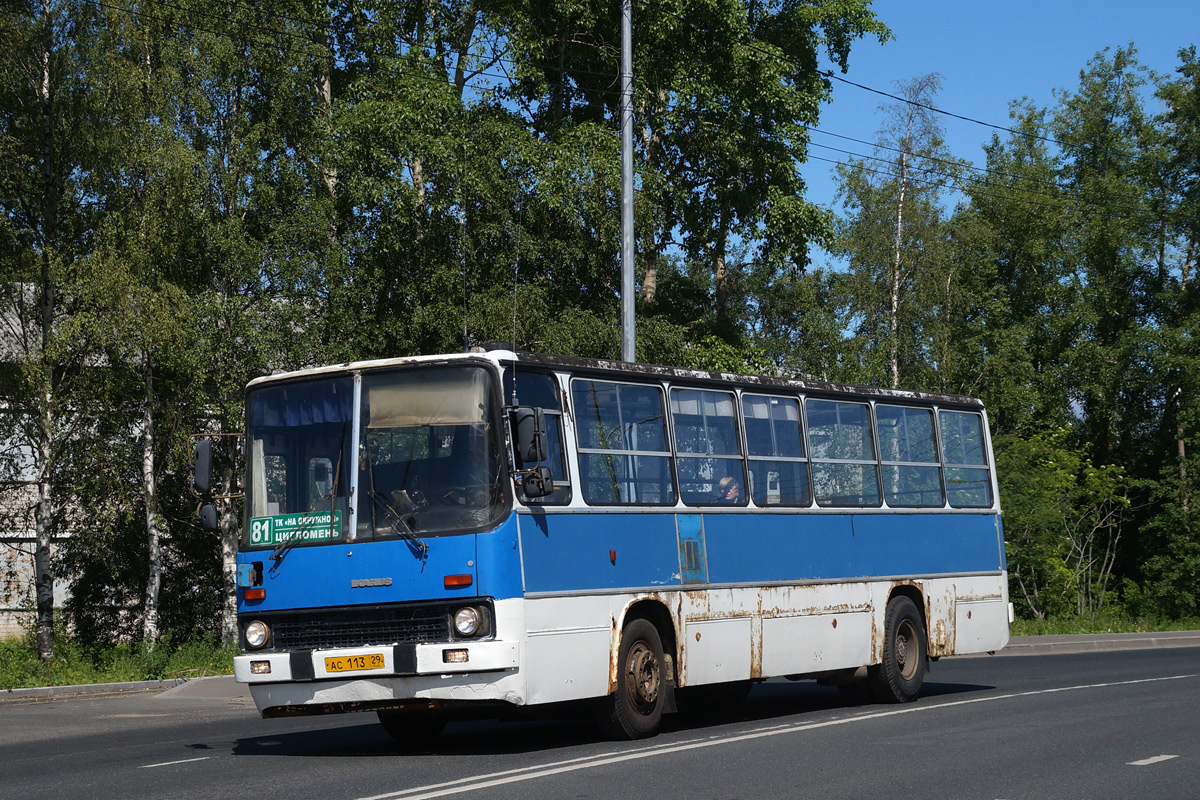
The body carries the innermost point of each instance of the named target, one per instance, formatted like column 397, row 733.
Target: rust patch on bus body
column 939, row 618
column 614, row 654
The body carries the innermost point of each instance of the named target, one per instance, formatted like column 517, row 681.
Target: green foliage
column 77, row 661
column 1101, row 623
column 1062, row 523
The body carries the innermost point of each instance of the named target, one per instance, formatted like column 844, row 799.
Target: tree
column 898, row 242
column 45, row 121
column 1062, row 523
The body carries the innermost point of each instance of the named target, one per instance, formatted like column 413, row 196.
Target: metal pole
column 628, row 352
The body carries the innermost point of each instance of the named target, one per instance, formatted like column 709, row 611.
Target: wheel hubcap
column 905, row 639
column 642, row 677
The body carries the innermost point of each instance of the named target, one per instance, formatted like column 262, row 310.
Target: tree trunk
column 44, row 516
column 229, row 540
column 721, row 270
column 149, row 489
column 894, row 278
column 650, row 281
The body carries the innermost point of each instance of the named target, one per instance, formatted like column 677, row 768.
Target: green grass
column 1099, row 624
column 74, row 664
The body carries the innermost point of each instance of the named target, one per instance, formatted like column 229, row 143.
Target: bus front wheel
column 897, row 679
column 634, row 710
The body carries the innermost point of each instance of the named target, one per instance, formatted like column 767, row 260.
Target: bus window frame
column 739, row 437
column 987, row 467
column 872, row 437
column 579, row 451
column 935, row 464
column 805, row 459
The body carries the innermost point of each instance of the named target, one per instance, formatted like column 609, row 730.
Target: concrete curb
column 128, row 687
column 1092, row 642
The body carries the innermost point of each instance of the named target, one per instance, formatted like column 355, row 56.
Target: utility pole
column 628, row 352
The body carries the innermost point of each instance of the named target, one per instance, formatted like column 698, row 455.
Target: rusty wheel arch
column 914, row 592
column 653, row 609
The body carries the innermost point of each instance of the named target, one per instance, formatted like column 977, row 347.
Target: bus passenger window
column 622, row 436
column 968, row 480
column 775, row 446
column 707, row 447
column 911, row 476
column 540, row 390
column 844, row 469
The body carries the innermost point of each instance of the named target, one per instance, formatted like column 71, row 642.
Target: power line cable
column 753, row 45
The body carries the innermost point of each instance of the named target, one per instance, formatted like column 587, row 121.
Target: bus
column 432, row 536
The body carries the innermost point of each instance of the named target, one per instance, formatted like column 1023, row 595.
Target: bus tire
column 634, row 710
column 897, row 679
column 412, row 729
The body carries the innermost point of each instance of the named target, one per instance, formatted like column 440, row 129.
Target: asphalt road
column 1098, row 724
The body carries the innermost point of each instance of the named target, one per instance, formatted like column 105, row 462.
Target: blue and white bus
column 435, row 535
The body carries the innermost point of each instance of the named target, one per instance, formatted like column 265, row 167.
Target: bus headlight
column 257, row 633
column 471, row 621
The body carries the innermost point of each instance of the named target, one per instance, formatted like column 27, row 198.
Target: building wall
column 16, row 582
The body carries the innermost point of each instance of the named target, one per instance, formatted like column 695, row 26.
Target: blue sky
column 988, row 54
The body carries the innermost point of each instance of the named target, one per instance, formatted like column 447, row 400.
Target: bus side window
column 968, row 479
column 624, row 456
column 540, row 390
column 778, row 463
column 911, row 475
column 707, row 448
column 845, row 472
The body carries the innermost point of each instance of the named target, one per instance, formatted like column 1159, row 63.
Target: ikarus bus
column 472, row 533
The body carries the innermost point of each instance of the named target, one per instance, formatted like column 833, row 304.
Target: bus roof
column 623, row 369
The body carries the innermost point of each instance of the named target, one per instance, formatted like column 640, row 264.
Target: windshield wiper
column 289, row 541
column 406, row 531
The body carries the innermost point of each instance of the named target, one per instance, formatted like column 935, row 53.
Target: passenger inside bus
column 728, row 490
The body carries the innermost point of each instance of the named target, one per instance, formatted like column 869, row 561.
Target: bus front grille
column 316, row 629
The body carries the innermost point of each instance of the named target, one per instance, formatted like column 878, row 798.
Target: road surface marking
column 170, row 763
column 586, row 762
column 1145, row 762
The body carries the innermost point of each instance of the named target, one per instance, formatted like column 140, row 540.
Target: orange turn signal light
column 456, row 581
column 254, row 594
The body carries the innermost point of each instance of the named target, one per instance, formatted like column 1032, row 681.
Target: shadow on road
column 555, row 727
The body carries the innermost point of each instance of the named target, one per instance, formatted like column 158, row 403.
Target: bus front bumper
column 367, row 662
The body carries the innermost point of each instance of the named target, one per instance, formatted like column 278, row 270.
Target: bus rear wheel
column 898, row 678
column 634, row 710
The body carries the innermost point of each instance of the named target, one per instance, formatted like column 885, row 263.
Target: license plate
column 354, row 663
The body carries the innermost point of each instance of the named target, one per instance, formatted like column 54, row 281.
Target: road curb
column 1093, row 642
column 128, row 687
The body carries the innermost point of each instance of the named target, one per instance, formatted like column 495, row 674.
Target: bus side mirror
column 207, row 514
column 538, row 483
column 202, row 467
column 529, row 434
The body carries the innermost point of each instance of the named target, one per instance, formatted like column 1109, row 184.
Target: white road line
column 586, row 762
column 1145, row 762
column 170, row 763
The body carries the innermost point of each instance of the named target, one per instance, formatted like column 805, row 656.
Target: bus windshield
column 429, row 458
column 429, row 453
column 298, row 475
